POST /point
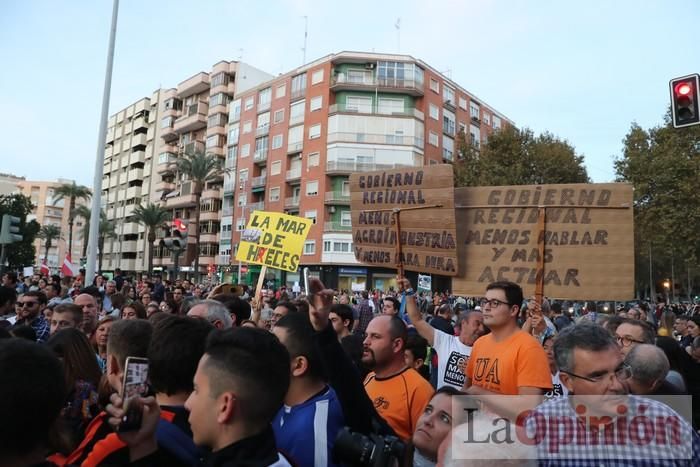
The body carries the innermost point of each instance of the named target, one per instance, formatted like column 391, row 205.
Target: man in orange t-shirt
column 508, row 361
column 399, row 393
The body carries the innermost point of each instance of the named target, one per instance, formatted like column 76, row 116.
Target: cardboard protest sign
column 274, row 240
column 425, row 283
column 428, row 236
column 588, row 239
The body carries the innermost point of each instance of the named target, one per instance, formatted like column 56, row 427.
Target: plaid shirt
column 364, row 316
column 41, row 327
column 610, row 451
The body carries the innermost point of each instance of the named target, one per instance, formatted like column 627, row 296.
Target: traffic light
column 9, row 232
column 179, row 234
column 685, row 100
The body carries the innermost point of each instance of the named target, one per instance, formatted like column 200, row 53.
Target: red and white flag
column 44, row 268
column 67, row 268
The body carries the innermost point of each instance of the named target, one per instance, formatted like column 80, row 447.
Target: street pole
column 652, row 292
column 673, row 279
column 243, row 208
column 99, row 159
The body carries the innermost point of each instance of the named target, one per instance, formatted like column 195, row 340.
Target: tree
column 200, row 168
column 152, row 217
column 72, row 192
column 107, row 230
column 84, row 212
column 22, row 253
column 517, row 157
column 663, row 165
column 49, row 233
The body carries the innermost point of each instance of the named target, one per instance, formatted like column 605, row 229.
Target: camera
column 356, row 449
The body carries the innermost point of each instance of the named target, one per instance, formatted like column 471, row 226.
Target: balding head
column 214, row 312
column 649, row 368
column 89, row 305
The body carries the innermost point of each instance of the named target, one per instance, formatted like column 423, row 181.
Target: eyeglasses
column 493, row 302
column 27, row 304
column 625, row 341
column 623, row 372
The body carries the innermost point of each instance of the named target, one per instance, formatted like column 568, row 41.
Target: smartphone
column 134, row 386
column 306, row 281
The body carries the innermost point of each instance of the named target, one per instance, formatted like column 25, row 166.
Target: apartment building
column 8, row 183
column 48, row 211
column 132, row 141
column 294, row 140
column 194, row 118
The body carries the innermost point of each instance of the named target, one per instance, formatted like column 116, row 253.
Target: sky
column 581, row 70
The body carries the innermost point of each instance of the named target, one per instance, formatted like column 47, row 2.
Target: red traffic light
column 683, row 89
column 179, row 224
column 685, row 100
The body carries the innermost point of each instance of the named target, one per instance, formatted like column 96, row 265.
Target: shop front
column 352, row 279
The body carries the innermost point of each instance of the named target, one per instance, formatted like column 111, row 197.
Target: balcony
column 292, row 202
column 209, row 216
column 336, row 226
column 450, row 104
column 347, row 167
column 194, row 85
column 105, row 183
column 262, row 130
column 226, row 212
column 195, row 118
column 337, row 197
column 211, row 193
column 260, row 157
column 107, row 168
column 168, row 133
column 135, row 174
column 137, row 157
column 194, row 147
column 365, row 81
column 372, row 138
column 180, row 201
column 296, row 119
column 297, row 94
column 139, row 122
column 295, row 147
column 260, row 206
column 130, row 228
column 109, row 151
column 373, row 110
column 258, row 182
column 129, row 246
column 293, row 174
column 208, row 237
column 110, row 135
column 138, row 140
column 133, row 192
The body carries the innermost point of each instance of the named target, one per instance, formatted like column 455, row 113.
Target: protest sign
column 425, row 283
column 588, row 239
column 427, row 232
column 274, row 240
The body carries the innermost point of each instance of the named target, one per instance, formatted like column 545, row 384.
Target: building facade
column 293, row 141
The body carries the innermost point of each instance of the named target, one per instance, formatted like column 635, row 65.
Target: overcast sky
column 582, row 70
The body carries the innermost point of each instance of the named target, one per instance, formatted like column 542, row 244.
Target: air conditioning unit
column 370, row 66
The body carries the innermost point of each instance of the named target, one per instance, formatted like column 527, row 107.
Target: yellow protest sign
column 274, row 240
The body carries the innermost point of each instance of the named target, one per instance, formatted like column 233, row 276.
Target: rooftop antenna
column 397, row 25
column 240, row 55
column 447, row 73
column 306, row 35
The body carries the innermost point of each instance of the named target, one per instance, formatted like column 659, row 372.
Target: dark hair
column 32, row 377
column 118, row 300
column 92, row 290
column 55, row 286
column 648, row 333
column 129, row 338
column 514, row 293
column 586, row 336
column 444, row 308
column 397, row 328
column 678, row 358
column 395, row 302
column 137, row 307
column 291, row 308
column 7, row 295
column 236, row 306
column 417, row 345
column 38, row 294
column 344, row 312
column 75, row 310
column 12, row 276
column 613, row 322
column 23, row 331
column 79, row 363
column 302, row 306
column 300, row 342
column 252, row 363
column 177, row 344
column 695, row 319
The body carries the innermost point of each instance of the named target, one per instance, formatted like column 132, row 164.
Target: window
column 496, row 122
column 298, row 85
column 278, row 116
column 399, row 74
column 167, row 122
column 312, row 188
column 213, row 141
column 242, row 199
column 231, row 157
column 312, row 159
column 317, row 77
column 345, row 188
column 281, row 90
column 391, row 106
column 234, row 113
column 247, row 127
column 345, row 219
column 316, row 103
column 217, row 120
column 310, row 247
column 233, row 133
column 341, row 247
column 295, row 135
column 276, row 168
column 249, row 102
column 311, row 215
column 462, row 128
column 274, row 194
column 315, row 131
column 277, row 141
column 264, row 98
column 434, row 112
column 448, row 95
column 433, row 138
column 218, row 99
column 296, row 112
column 243, row 175
column 448, row 146
column 326, row 246
column 486, row 118
column 245, row 150
column 474, row 110
column 462, row 103
column 448, row 122
column 474, row 135
column 219, row 79
column 360, row 104
column 240, row 223
column 261, row 145
column 434, row 85
column 263, row 120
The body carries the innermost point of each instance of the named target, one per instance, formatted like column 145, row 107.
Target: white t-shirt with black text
column 452, row 359
column 558, row 389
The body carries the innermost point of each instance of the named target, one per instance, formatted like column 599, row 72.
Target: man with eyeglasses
column 508, row 361
column 633, row 332
column 30, row 312
column 596, row 424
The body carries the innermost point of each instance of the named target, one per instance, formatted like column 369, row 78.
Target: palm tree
column 200, row 168
column 152, row 217
column 106, row 230
column 84, row 212
column 72, row 192
column 49, row 233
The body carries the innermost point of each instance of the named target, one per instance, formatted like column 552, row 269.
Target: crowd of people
column 324, row 377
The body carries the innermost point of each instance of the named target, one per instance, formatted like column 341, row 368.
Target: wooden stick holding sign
column 397, row 227
column 257, row 297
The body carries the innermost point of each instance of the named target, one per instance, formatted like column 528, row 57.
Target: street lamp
column 667, row 286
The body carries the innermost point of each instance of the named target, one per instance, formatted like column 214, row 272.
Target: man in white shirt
column 453, row 351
